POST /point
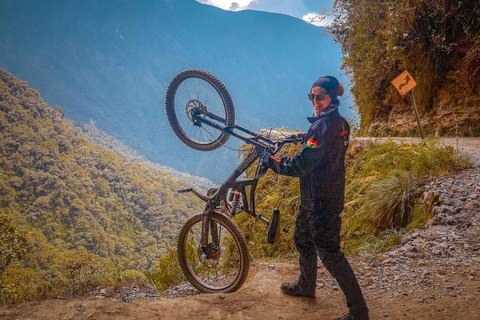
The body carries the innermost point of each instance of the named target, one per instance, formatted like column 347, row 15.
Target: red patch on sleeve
column 275, row 158
column 344, row 133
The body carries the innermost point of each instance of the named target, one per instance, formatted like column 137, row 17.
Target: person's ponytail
column 340, row 90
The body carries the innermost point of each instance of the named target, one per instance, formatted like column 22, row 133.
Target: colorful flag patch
column 344, row 133
column 275, row 158
column 311, row 143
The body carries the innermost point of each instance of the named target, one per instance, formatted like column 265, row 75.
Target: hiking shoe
column 294, row 289
column 349, row 316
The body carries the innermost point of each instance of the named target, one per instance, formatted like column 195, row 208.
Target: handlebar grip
column 184, row 190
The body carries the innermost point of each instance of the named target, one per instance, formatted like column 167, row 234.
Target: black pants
column 320, row 232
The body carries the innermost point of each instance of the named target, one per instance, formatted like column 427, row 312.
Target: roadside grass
column 384, row 190
column 383, row 201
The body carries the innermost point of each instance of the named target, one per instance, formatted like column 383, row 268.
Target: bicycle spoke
column 215, row 271
column 193, row 95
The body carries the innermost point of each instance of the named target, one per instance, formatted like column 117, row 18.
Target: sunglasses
column 319, row 96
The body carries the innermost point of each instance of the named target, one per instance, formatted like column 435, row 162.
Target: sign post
column 404, row 83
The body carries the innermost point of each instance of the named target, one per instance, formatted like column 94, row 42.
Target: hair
column 340, row 89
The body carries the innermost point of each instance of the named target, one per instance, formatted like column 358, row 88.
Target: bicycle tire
column 213, row 140
column 185, row 249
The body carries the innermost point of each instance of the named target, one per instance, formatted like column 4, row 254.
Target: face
column 319, row 105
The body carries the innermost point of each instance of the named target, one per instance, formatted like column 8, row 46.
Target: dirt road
column 260, row 298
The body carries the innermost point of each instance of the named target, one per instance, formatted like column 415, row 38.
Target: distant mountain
column 110, row 61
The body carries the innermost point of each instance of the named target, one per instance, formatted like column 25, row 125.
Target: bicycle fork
column 210, row 249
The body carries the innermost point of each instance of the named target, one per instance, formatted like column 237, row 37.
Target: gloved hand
column 264, row 156
column 300, row 136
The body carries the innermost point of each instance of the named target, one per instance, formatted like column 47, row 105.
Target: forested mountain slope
column 98, row 137
column 111, row 62
column 61, row 192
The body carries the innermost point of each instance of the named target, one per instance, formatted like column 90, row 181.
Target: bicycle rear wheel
column 222, row 265
column 195, row 94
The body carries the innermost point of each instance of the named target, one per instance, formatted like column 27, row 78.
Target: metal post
column 416, row 114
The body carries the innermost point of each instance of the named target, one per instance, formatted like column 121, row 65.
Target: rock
column 468, row 204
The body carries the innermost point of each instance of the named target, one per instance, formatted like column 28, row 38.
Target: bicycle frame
column 215, row 201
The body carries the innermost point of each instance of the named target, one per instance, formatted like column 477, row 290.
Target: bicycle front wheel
column 194, row 94
column 221, row 265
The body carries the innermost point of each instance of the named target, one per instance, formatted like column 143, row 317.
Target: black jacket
column 321, row 163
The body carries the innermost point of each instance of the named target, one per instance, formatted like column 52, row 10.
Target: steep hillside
column 111, row 62
column 61, row 192
column 98, row 137
column 438, row 42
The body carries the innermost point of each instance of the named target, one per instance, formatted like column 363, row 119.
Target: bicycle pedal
column 274, row 227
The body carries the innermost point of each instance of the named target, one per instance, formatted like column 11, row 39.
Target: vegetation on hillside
column 383, row 200
column 75, row 216
column 72, row 214
column 438, row 42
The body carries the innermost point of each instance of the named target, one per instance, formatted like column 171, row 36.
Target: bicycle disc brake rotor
column 193, row 109
column 209, row 255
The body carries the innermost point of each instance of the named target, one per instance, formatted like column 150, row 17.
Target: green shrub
column 167, row 272
column 81, row 271
column 390, row 200
column 384, row 185
column 133, row 276
column 13, row 244
column 17, row 284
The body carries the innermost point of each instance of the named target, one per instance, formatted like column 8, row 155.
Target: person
column 320, row 166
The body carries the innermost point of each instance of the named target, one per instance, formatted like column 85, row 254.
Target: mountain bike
column 212, row 252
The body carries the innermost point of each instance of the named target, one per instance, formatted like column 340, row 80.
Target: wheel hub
column 194, row 109
column 209, row 253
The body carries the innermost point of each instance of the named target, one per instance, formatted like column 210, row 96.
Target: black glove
column 300, row 136
column 264, row 156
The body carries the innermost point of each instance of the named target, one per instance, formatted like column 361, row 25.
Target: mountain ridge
column 112, row 64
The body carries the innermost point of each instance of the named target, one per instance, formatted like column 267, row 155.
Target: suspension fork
column 209, row 225
column 206, row 221
column 205, row 224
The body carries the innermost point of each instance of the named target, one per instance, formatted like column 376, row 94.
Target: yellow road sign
column 404, row 83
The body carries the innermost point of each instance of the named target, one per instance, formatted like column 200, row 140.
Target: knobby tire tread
column 239, row 239
column 170, row 107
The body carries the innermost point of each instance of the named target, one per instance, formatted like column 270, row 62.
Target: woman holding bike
column 321, row 169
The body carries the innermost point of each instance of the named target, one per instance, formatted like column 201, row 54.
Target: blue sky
column 302, row 9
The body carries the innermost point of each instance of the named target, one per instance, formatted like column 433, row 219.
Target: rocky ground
column 433, row 274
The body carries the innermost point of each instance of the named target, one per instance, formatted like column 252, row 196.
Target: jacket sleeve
column 312, row 154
